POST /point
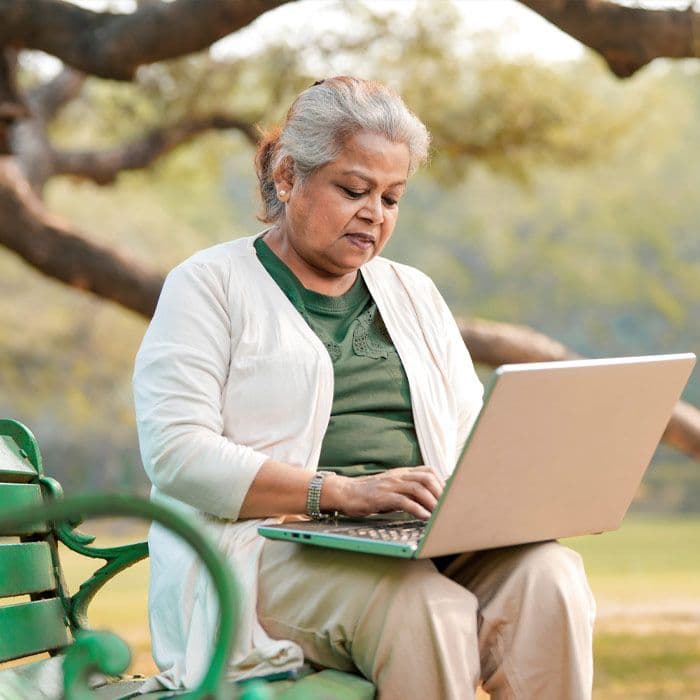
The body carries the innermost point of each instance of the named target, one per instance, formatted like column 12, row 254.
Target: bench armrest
column 213, row 685
column 116, row 558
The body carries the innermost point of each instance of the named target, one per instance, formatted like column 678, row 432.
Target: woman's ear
column 283, row 177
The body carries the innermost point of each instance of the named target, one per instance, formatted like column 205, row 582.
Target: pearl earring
column 282, row 193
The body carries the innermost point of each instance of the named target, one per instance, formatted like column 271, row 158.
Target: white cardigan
column 229, row 375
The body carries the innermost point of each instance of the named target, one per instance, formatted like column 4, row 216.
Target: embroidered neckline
column 369, row 336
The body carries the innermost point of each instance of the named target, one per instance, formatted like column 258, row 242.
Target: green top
column 371, row 426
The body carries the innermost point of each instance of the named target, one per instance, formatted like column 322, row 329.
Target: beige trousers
column 519, row 619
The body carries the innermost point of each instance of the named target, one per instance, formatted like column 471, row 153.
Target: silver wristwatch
column 313, row 496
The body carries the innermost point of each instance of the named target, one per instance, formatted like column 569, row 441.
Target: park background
column 558, row 196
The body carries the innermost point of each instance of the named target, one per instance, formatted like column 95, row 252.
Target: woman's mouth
column 363, row 241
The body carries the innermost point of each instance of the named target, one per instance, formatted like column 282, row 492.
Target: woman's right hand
column 414, row 490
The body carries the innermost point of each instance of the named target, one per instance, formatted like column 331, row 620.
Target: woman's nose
column 372, row 210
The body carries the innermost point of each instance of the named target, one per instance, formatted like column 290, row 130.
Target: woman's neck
column 310, row 276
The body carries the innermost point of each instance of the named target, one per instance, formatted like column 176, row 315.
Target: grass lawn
column 646, row 579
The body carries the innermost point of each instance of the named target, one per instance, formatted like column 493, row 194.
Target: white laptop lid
column 559, row 449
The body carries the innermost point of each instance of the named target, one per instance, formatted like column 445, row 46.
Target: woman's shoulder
column 222, row 254
column 218, row 260
column 216, row 272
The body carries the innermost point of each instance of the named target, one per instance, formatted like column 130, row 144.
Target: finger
column 419, row 483
column 408, row 505
column 418, row 493
column 427, row 478
column 426, row 469
column 434, row 472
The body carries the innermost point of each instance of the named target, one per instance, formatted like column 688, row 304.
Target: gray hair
column 319, row 122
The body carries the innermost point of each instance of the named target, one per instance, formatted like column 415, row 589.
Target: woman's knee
column 556, row 575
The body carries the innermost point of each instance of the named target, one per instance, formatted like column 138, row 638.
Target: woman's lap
column 349, row 610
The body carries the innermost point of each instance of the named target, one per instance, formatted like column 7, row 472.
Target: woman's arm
column 179, row 380
column 280, row 489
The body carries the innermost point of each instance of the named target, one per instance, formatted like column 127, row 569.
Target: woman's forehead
column 374, row 158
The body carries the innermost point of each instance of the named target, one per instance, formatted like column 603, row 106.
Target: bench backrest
column 32, row 613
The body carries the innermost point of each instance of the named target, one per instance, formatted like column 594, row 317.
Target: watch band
column 313, row 495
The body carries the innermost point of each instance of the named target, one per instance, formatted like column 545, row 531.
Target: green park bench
column 39, row 616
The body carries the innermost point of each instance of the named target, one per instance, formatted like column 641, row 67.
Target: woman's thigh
column 341, row 607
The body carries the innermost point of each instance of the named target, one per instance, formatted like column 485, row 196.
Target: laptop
column 558, row 449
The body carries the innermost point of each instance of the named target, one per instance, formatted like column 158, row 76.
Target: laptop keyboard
column 404, row 532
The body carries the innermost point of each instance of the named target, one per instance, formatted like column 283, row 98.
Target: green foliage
column 480, row 106
column 605, row 256
column 671, row 484
column 557, row 197
column 512, row 116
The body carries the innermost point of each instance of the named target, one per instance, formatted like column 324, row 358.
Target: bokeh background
column 559, row 196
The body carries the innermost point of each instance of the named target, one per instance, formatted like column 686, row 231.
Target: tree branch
column 103, row 166
column 29, row 138
column 49, row 245
column 494, row 344
column 12, row 106
column 48, row 98
column 628, row 38
column 115, row 45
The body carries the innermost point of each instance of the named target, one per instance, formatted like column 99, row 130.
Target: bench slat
column 26, row 568
column 332, row 684
column 19, row 495
column 14, row 467
column 30, row 628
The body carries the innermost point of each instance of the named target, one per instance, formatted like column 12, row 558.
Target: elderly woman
column 299, row 359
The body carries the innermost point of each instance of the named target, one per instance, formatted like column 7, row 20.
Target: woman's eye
column 354, row 194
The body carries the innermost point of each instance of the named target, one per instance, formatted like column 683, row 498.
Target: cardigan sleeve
column 179, row 378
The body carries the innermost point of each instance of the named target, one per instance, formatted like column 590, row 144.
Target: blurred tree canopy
column 508, row 124
column 534, row 209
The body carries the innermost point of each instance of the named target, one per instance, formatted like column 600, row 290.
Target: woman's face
column 343, row 214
